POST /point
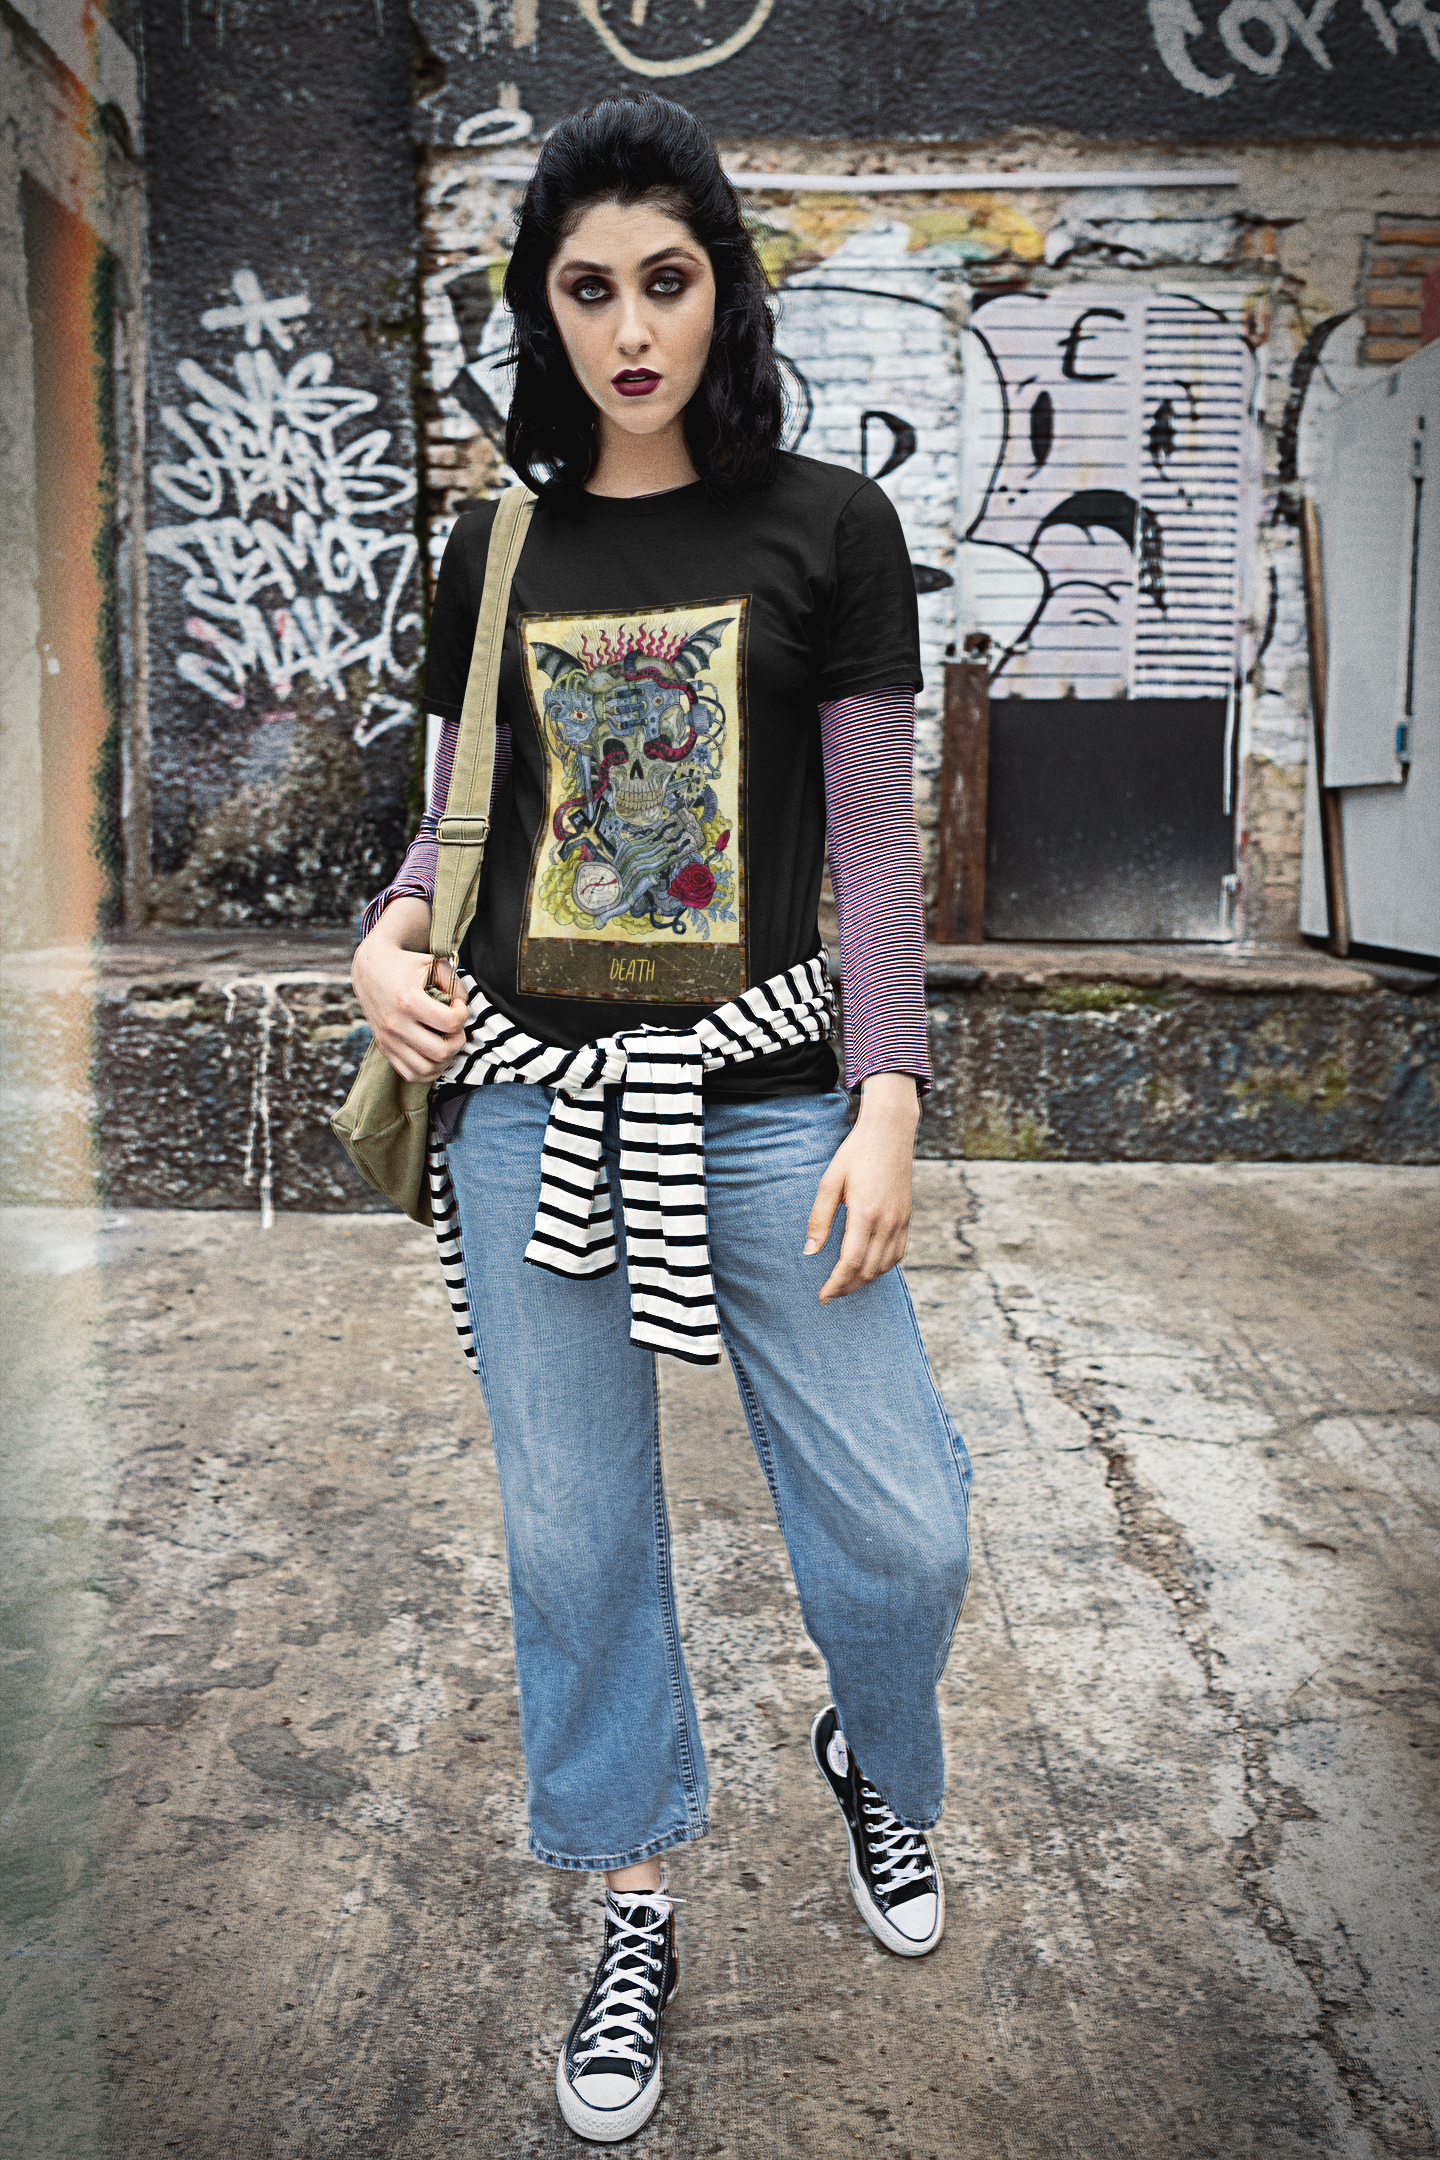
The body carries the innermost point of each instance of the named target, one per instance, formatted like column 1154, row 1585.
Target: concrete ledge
column 1179, row 1054
column 180, row 1070
column 183, row 1070
column 1232, row 968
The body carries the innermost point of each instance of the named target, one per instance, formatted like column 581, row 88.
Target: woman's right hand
column 418, row 1034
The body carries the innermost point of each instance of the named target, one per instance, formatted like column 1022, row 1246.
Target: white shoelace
column 621, row 2027
column 898, row 1855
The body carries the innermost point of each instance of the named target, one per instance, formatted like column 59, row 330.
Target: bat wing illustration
column 554, row 661
column 700, row 647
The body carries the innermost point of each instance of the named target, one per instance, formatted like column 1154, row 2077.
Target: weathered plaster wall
column 285, row 606
column 55, row 135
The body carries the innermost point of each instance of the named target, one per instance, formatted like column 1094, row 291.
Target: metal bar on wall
column 1332, row 829
column 964, row 787
column 890, row 183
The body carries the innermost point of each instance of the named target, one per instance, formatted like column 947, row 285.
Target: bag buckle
column 432, row 980
column 457, row 830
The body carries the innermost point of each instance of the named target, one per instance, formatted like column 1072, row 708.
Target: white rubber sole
column 610, row 2126
column 880, row 1927
column 606, row 2126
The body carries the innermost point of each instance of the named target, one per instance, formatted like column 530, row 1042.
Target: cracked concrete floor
column 265, row 1889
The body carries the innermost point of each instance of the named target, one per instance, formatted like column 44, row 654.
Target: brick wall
column 1401, row 255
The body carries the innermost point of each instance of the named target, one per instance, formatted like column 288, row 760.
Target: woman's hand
column 871, row 1172
column 417, row 1034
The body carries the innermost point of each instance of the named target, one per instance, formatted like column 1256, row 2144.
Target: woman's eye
column 667, row 283
column 589, row 289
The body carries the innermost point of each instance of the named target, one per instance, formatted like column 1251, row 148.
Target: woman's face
column 633, row 296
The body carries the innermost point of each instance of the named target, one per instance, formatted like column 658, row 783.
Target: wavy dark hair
column 641, row 148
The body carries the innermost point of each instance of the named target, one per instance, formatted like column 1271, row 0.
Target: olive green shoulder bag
column 384, row 1123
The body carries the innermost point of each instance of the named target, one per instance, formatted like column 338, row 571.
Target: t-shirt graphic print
column 637, row 878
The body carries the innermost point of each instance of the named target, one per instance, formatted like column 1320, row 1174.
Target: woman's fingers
column 445, row 1018
column 873, row 1243
column 419, row 1036
column 829, row 1193
column 867, row 1249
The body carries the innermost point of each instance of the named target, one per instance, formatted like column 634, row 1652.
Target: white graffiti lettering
column 685, row 63
column 255, row 314
column 1259, row 33
column 263, row 596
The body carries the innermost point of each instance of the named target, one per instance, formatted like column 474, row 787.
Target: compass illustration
column 596, row 887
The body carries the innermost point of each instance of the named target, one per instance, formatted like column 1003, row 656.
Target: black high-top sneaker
column 895, row 1878
column 608, row 2077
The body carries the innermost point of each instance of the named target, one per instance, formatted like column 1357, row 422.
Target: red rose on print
column 693, row 886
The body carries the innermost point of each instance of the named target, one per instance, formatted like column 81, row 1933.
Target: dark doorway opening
column 1108, row 820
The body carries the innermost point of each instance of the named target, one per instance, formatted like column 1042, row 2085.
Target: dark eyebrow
column 574, row 262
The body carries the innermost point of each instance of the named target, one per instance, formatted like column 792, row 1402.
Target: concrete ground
column 265, row 1887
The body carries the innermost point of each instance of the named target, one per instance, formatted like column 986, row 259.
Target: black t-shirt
column 658, row 844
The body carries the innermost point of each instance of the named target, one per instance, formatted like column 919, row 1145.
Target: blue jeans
column 869, row 1477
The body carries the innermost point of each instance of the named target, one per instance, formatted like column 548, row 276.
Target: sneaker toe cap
column 604, row 2090
column 916, row 1918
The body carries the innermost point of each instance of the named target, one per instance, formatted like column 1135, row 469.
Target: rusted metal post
column 964, row 782
column 1332, row 830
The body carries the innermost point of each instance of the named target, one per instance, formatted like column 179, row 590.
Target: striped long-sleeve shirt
column 874, row 855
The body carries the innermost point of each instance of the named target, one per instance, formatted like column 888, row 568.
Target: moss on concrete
column 1102, row 997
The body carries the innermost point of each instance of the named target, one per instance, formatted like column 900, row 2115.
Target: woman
column 710, row 643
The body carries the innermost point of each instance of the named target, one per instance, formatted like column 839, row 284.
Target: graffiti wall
column 285, row 623
column 1071, row 464
column 953, row 69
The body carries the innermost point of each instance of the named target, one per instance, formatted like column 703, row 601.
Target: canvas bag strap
column 463, row 829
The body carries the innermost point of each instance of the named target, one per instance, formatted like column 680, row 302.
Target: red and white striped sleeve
column 869, row 745
column 416, row 875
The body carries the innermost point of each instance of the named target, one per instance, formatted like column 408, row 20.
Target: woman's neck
column 640, row 464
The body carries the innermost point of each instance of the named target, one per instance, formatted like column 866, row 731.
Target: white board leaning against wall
column 1378, row 495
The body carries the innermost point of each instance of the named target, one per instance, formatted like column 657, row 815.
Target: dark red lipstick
column 635, row 382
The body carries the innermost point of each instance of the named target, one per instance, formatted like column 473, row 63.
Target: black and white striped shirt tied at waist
column 659, row 1072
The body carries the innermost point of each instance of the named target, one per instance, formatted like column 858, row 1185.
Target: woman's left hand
column 871, row 1173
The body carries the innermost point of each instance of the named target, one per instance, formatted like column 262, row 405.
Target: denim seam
column 671, row 1622
column 758, row 1432
column 597, row 1863
column 951, row 1430
column 951, row 1435
column 760, row 1436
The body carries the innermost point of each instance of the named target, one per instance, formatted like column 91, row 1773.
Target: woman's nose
column 632, row 335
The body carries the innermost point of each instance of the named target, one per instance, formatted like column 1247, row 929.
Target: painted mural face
column 1050, row 556
column 641, row 726
column 1104, row 431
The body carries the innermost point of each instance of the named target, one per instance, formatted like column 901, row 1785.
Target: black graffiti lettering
column 799, row 409
column 1077, row 335
column 902, row 442
column 1042, row 428
column 1109, row 508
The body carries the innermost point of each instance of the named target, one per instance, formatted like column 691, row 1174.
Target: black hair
column 635, row 149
